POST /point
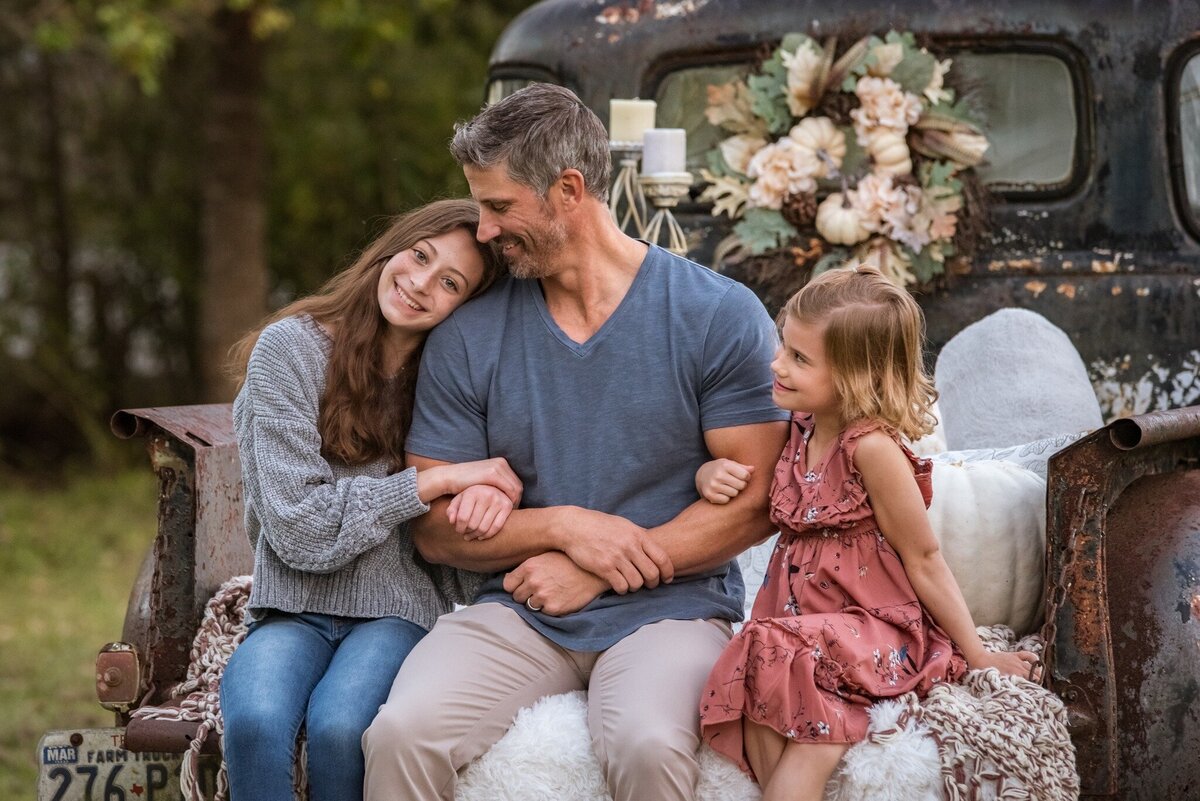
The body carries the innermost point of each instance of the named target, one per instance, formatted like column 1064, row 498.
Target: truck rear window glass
column 1033, row 131
column 1189, row 134
column 500, row 88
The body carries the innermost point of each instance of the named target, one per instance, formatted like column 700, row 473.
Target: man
column 606, row 372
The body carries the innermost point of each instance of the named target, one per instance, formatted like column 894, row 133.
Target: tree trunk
column 56, row 285
column 233, row 287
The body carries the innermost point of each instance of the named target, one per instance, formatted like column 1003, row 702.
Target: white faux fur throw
column 547, row 753
column 1012, row 378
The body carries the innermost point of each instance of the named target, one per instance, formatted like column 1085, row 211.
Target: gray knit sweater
column 327, row 538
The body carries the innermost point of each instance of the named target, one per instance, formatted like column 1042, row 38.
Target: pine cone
column 837, row 106
column 800, row 210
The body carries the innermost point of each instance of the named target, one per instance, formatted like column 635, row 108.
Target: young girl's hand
column 1024, row 664
column 479, row 512
column 720, row 480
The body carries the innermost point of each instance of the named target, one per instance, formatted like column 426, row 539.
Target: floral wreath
column 865, row 157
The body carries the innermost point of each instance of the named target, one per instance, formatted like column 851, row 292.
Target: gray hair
column 539, row 132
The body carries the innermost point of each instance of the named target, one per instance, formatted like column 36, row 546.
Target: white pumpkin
column 839, row 222
column 990, row 520
column 889, row 151
column 816, row 135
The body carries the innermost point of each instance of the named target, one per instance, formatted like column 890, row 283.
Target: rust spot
column 1142, row 291
column 1116, row 290
column 1036, row 287
column 1103, row 266
column 1022, row 264
column 1068, row 290
column 995, row 266
column 1196, row 606
column 1067, row 264
column 614, row 15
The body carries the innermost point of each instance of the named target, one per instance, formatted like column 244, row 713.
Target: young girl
column 339, row 596
column 858, row 603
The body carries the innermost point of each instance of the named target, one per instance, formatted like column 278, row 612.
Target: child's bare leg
column 803, row 770
column 764, row 747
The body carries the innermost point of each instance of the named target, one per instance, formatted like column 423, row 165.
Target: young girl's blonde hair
column 874, row 338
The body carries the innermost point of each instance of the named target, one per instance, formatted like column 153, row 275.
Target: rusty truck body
column 1095, row 117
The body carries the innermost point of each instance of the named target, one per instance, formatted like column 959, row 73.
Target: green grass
column 68, row 557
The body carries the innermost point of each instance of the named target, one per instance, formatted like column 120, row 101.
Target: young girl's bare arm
column 896, row 500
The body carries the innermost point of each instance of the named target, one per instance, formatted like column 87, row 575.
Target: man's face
column 524, row 225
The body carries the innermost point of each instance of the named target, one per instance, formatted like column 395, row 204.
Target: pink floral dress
column 836, row 625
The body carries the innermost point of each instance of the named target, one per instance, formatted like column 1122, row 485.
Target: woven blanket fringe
column 998, row 737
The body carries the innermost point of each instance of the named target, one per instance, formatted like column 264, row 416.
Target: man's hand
column 553, row 584
column 720, row 480
column 479, row 511
column 615, row 550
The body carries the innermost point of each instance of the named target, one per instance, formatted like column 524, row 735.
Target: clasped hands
column 598, row 552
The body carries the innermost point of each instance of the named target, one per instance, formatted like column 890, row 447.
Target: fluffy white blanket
column 547, row 753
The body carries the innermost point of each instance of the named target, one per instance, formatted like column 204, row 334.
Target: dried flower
column 781, row 169
column 935, row 92
column 804, row 68
column 874, row 195
column 887, row 56
column 884, row 105
column 890, row 259
column 730, row 106
column 738, row 150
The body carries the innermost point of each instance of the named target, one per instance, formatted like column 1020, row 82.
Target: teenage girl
column 857, row 603
column 339, row 595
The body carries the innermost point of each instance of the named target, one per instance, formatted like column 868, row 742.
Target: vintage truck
column 1094, row 114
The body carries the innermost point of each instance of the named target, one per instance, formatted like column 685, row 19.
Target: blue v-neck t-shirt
column 615, row 424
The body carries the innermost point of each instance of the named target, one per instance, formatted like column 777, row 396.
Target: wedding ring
column 531, row 607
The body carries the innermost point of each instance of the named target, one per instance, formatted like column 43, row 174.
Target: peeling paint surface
column 680, row 8
column 1160, row 387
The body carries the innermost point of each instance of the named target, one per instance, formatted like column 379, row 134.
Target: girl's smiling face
column 420, row 286
column 803, row 378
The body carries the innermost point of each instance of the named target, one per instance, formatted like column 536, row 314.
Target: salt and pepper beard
column 539, row 247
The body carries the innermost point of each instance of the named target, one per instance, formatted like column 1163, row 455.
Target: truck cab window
column 1033, row 133
column 500, row 88
column 1029, row 103
column 1189, row 134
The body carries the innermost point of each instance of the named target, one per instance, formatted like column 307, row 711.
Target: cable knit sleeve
column 314, row 521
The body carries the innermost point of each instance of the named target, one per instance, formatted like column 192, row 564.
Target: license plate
column 93, row 765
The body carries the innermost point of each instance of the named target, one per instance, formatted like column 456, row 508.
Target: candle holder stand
column 664, row 191
column 626, row 200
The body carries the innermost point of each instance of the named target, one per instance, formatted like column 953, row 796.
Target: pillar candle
column 628, row 119
column 664, row 150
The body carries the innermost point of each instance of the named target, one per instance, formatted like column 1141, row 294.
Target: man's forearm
column 526, row 533
column 706, row 535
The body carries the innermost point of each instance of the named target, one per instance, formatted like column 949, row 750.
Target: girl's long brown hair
column 364, row 414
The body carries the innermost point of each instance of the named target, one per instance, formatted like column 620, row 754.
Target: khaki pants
column 461, row 687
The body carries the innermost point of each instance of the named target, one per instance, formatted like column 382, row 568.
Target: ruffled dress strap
column 922, row 468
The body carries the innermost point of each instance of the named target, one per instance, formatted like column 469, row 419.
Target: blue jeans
column 330, row 674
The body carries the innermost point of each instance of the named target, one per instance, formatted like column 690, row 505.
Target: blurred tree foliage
column 165, row 164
